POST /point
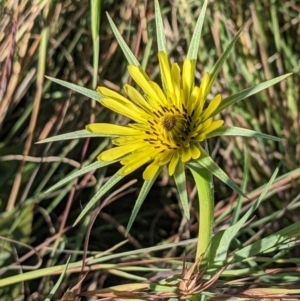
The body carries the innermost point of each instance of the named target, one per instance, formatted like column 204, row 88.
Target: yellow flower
column 168, row 125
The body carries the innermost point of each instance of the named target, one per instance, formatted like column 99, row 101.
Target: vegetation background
column 72, row 40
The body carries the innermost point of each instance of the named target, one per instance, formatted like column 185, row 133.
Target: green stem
column 204, row 184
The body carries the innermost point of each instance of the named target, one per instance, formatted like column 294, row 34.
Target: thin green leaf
column 95, row 28
column 217, row 67
column 194, row 46
column 59, row 281
column 239, row 201
column 285, row 235
column 180, row 181
column 236, row 131
column 108, row 185
column 72, row 135
column 79, row 173
column 226, row 102
column 142, row 195
column 221, row 241
column 95, row 17
column 160, row 32
column 84, row 91
column 126, row 50
column 207, row 162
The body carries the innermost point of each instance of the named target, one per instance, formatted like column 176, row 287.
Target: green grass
column 62, row 39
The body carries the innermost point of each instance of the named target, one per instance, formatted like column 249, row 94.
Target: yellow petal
column 129, row 110
column 214, row 126
column 186, row 154
column 201, row 137
column 213, row 105
column 108, row 93
column 195, row 151
column 161, row 98
column 175, row 74
column 118, row 152
column 193, row 101
column 134, row 164
column 111, row 129
column 138, row 154
column 165, row 71
column 128, row 140
column 204, row 125
column 204, row 86
column 187, row 79
column 141, row 81
column 137, row 98
column 173, row 164
column 150, row 171
column 165, row 157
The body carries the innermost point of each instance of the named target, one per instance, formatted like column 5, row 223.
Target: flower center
column 171, row 128
column 168, row 122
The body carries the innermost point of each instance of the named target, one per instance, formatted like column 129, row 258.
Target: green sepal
column 207, row 162
column 106, row 187
column 194, row 46
column 160, row 32
column 140, row 200
column 131, row 59
column 217, row 67
column 84, row 91
column 72, row 135
column 236, row 131
column 78, row 173
column 180, row 180
column 232, row 99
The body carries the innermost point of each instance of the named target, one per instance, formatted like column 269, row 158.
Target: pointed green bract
column 84, row 91
column 131, row 59
column 160, row 32
column 142, row 195
column 195, row 42
column 180, row 180
column 79, row 173
column 207, row 162
column 221, row 240
column 226, row 102
column 72, row 135
column 105, row 188
column 236, row 131
column 217, row 67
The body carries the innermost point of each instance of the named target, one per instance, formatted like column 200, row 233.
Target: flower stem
column 204, row 184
